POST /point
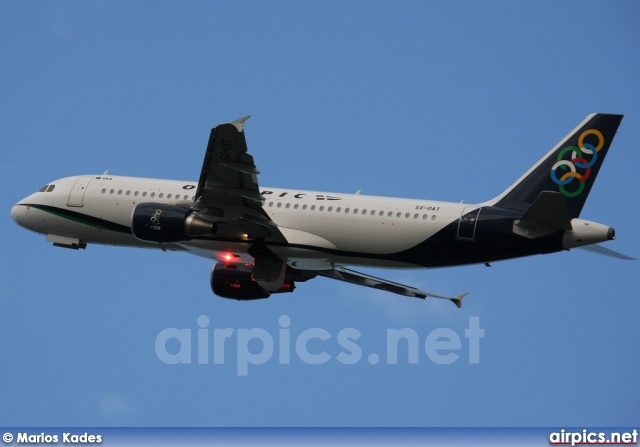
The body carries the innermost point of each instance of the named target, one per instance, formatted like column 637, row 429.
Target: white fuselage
column 340, row 223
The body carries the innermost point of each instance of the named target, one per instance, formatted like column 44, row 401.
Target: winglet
column 457, row 300
column 239, row 123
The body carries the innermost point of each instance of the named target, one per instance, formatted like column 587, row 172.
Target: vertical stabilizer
column 570, row 168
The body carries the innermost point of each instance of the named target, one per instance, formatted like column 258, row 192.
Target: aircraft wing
column 361, row 279
column 227, row 191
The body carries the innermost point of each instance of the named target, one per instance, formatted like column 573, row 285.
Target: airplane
column 265, row 240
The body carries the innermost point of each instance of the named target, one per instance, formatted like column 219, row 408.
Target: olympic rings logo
column 155, row 219
column 578, row 161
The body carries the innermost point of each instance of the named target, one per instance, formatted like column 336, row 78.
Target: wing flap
column 240, row 167
column 361, row 279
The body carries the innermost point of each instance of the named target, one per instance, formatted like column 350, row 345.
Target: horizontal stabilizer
column 599, row 249
column 547, row 214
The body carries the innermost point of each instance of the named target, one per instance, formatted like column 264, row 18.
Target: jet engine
column 235, row 281
column 165, row 224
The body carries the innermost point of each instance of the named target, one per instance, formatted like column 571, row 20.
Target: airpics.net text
column 256, row 346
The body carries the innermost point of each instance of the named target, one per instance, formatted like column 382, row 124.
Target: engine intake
column 235, row 281
column 165, row 224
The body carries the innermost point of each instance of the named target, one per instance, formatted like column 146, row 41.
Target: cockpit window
column 47, row 188
column 51, row 188
column 44, row 188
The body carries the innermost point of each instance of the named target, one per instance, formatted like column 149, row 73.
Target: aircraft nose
column 16, row 212
column 20, row 215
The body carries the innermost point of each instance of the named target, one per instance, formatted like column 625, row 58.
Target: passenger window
column 346, row 210
column 338, row 209
column 295, row 207
column 433, row 217
column 330, row 208
column 111, row 191
column 373, row 213
column 313, row 207
column 135, row 193
column 104, row 190
column 364, row 212
column 390, row 213
column 128, row 192
column 355, row 211
column 415, row 216
column 153, row 194
column 119, row 192
column 424, row 217
column 398, row 214
column 168, row 196
column 304, row 207
column 160, row 195
column 321, row 208
column 279, row 204
column 144, row 194
column 287, row 205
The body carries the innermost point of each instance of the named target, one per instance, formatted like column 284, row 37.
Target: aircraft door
column 468, row 222
column 76, row 196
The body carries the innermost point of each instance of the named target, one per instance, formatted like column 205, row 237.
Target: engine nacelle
column 235, row 281
column 165, row 224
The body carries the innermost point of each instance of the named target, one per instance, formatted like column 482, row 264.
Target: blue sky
column 440, row 100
